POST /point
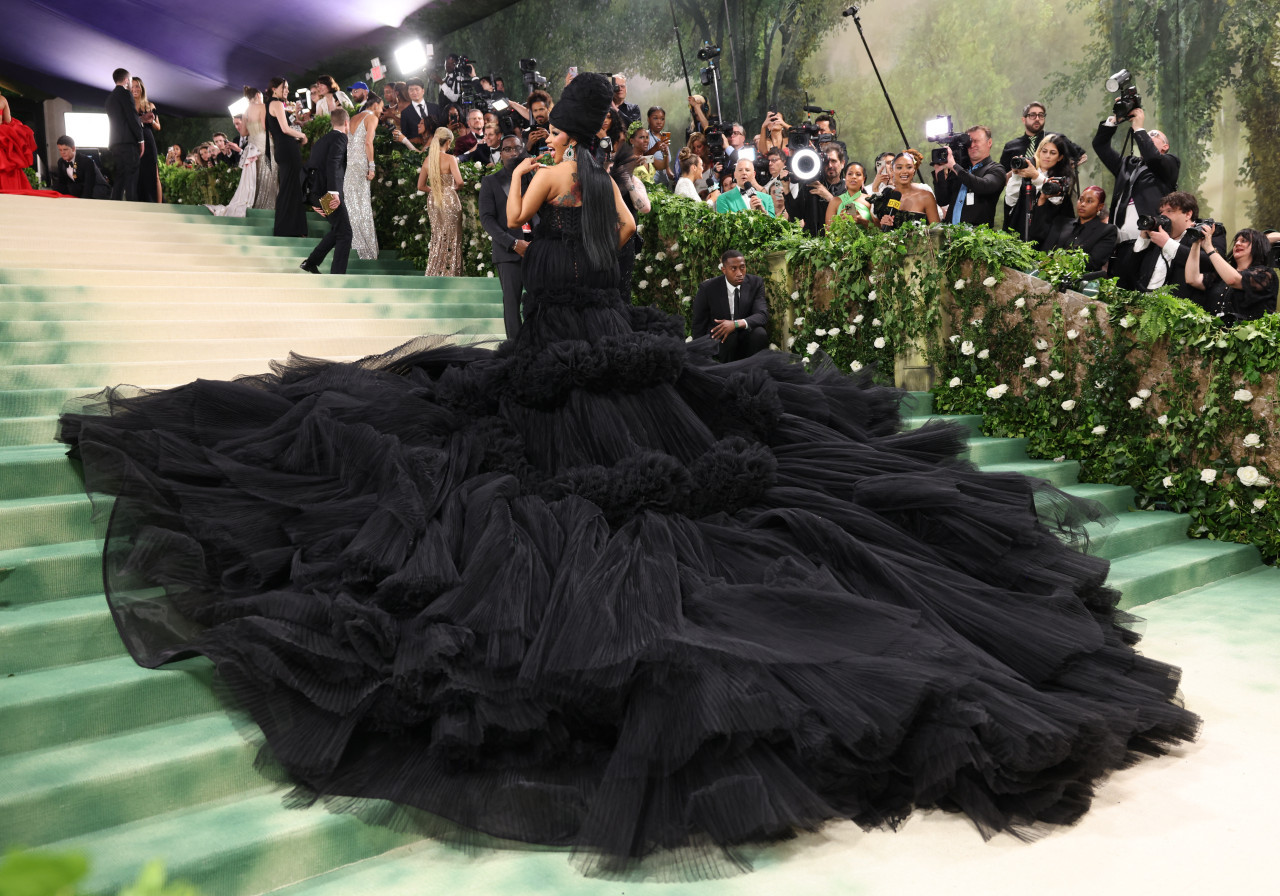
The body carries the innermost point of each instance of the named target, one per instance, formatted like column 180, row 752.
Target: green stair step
column 75, row 354
column 45, row 278
column 37, row 471
column 1252, row 596
column 1170, row 569
column 971, row 422
column 244, row 845
column 918, row 404
column 294, row 289
column 50, row 572
column 983, row 451
column 56, row 633
column 116, row 332
column 27, row 431
column 1116, row 498
column 16, row 401
column 51, row 519
column 56, row 706
column 1059, row 473
column 146, row 311
column 97, row 784
column 1138, row 531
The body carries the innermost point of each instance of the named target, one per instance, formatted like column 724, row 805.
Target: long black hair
column 599, row 211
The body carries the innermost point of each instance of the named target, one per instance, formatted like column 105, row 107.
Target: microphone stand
column 680, row 45
column 854, row 12
column 728, row 30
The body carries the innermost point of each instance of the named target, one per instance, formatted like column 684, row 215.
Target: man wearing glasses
column 1033, row 119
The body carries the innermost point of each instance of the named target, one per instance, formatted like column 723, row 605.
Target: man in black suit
column 509, row 243
column 732, row 310
column 1142, row 181
column 1159, row 257
column 78, row 174
column 126, row 144
column 420, row 120
column 329, row 159
column 1033, row 122
column 970, row 192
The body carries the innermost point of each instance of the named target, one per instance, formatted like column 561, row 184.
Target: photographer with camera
column 1026, row 146
column 539, row 132
column 1244, row 288
column 1045, row 187
column 1158, row 256
column 459, row 74
column 971, row 187
column 778, row 186
column 630, row 112
column 1141, row 180
column 809, row 202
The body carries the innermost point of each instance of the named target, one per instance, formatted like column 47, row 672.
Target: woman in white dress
column 253, row 158
column 360, row 171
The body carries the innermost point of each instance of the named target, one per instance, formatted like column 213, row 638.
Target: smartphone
column 666, row 135
column 573, row 71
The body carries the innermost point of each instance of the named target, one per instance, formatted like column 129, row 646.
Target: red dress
column 17, row 146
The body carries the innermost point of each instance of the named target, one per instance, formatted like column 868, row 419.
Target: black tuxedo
column 329, row 159
column 409, row 120
column 1096, row 238
column 1145, row 178
column 482, row 153
column 88, row 183
column 1135, row 269
column 126, row 143
column 985, row 184
column 506, row 261
column 711, row 303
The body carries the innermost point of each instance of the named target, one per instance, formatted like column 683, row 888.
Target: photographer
column 1045, row 187
column 746, row 196
column 1033, row 122
column 883, row 174
column 539, row 130
column 1141, row 180
column 1159, row 255
column 1233, row 292
column 459, row 73
column 659, row 148
column 970, row 191
column 809, row 202
column 778, row 186
column 698, row 109
column 630, row 112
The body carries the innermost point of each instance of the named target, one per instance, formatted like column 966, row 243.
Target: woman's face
column 1088, row 206
column 1047, row 156
column 1242, row 251
column 854, row 178
column 904, row 168
column 640, row 141
column 657, row 120
column 558, row 141
column 137, row 89
column 695, row 168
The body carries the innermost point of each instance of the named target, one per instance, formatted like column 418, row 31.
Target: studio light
column 936, row 128
column 747, row 152
column 88, row 129
column 805, row 164
column 239, row 107
column 411, row 57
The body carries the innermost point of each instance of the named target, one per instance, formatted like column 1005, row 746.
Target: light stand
column 728, row 33
column 711, row 77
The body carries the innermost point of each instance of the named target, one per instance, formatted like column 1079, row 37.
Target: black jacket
column 329, row 160
column 712, row 303
column 493, row 216
column 89, row 182
column 409, row 120
column 1145, row 178
column 1015, row 215
column 1097, row 238
column 123, row 117
column 986, row 186
column 1135, row 269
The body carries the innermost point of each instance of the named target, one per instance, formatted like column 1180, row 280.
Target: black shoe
column 309, row 267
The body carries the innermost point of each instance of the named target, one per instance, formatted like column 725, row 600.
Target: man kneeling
column 732, row 310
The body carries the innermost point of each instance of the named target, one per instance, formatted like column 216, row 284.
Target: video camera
column 1127, row 98
column 533, row 79
column 940, row 130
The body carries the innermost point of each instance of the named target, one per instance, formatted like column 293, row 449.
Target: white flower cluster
column 997, row 391
column 1250, row 476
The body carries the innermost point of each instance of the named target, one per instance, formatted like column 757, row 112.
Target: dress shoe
column 309, row 268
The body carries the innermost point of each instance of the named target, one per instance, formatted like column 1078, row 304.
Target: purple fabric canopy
column 196, row 56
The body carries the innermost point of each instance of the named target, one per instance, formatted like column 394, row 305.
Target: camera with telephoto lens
column 533, row 79
column 1056, row 186
column 1127, row 98
column 1017, row 163
column 1198, row 235
column 707, row 52
column 1154, row 222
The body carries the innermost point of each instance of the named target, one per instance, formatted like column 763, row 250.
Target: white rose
column 417, row 236
column 851, row 329
column 977, row 321
column 791, row 340
column 1163, row 419
column 1041, row 345
column 1167, row 482
column 1248, row 475
column 955, row 338
column 1069, row 404
column 1056, row 374
column 855, row 366
column 819, row 332
column 1208, row 475
column 989, row 282
column 1128, row 321
column 795, row 295
column 1135, row 403
column 1252, row 440
column 875, row 321
column 1020, row 302
column 1099, row 430
column 955, row 382
column 1231, row 502
column 1259, row 503
column 665, row 283
column 1243, row 395
column 648, row 269
column 966, row 348
column 997, row 391
column 477, row 188
column 1029, row 361
column 687, row 299
column 879, row 343
column 1144, row 394
column 959, row 284
column 871, row 296
column 1072, row 334
column 798, row 321
column 643, row 284
column 984, row 354
column 675, row 246
column 658, row 256
column 680, row 267
column 812, row 348
column 488, row 273
column 858, row 319
column 1043, row 382
column 1084, row 313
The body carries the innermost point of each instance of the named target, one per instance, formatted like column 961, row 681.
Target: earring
column 569, row 154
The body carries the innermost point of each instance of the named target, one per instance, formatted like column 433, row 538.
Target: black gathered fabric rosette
column 595, row 590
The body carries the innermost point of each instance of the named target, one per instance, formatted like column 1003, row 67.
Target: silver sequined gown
column 355, row 192
column 267, row 186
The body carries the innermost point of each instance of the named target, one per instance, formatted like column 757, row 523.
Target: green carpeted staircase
column 127, row 764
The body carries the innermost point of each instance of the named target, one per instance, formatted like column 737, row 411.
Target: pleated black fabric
column 595, row 590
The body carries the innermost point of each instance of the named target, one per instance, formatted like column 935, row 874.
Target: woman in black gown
column 284, row 142
column 149, row 189
column 597, row 591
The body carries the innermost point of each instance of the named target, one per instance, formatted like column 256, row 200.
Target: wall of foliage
column 1144, row 390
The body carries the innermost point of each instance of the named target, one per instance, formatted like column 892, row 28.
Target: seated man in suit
column 329, row 159
column 732, row 309
column 747, row 195
column 78, row 174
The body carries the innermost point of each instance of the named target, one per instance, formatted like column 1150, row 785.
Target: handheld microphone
column 890, row 202
column 747, row 192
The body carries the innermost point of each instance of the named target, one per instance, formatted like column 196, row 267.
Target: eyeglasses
column 1039, row 115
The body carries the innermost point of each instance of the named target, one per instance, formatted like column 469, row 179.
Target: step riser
column 295, row 289
column 180, row 280
column 75, row 354
column 1136, row 591
column 34, row 576
column 1163, row 529
column 22, row 431
column 115, row 332
column 78, row 637
column 997, row 451
column 59, row 521
column 54, row 474
column 152, row 311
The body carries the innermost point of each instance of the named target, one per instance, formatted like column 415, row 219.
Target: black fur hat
column 583, row 106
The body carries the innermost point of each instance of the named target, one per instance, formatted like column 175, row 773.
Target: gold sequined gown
column 355, row 192
column 445, row 258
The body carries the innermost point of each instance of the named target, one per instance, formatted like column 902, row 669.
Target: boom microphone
column 818, row 109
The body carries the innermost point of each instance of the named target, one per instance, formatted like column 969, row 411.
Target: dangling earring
column 569, row 154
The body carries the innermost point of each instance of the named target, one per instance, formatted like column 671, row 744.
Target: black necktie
column 734, row 309
column 422, row 112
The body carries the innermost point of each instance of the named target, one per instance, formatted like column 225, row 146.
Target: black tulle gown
column 291, row 208
column 595, row 590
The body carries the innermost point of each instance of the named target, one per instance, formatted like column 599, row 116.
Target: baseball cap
column 359, row 85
